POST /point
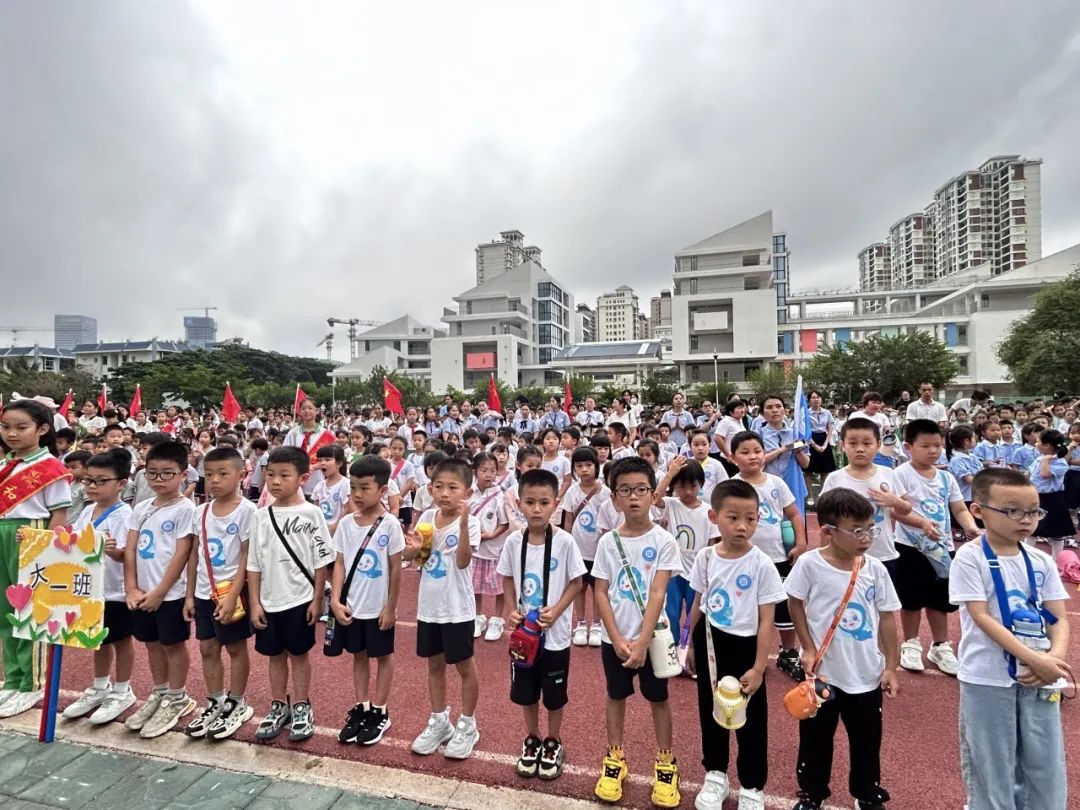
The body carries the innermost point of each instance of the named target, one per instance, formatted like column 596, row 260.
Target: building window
column 693, row 343
column 695, row 373
column 751, row 260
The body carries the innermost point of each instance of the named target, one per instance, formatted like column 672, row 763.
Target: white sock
column 101, row 683
column 469, row 720
column 217, row 697
column 122, row 687
column 160, row 688
column 238, row 698
column 1056, row 547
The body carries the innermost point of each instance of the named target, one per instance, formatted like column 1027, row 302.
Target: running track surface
column 920, row 757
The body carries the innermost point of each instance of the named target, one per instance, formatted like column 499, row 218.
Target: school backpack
column 1069, row 566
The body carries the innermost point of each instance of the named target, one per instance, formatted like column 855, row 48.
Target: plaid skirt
column 486, row 581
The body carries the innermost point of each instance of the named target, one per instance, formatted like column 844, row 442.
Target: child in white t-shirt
column 853, row 663
column 368, row 546
column 404, row 474
column 700, row 442
column 488, row 505
column 581, row 507
column 736, row 588
column 331, row 494
column 1011, row 742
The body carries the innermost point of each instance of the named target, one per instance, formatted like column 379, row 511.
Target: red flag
column 65, row 406
column 300, row 397
column 568, row 397
column 102, row 401
column 494, row 403
column 230, row 408
column 391, row 396
column 136, row 402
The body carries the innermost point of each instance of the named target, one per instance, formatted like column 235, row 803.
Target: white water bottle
column 1028, row 627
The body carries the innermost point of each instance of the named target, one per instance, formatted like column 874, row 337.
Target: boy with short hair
column 619, row 437
column 580, row 510
column 631, row 573
column 76, row 461
column 216, row 577
column 542, row 570
column 368, row 545
column 159, row 539
column 853, row 664
column 1011, row 743
column 104, row 478
column 260, row 449
column 288, row 554
column 446, row 609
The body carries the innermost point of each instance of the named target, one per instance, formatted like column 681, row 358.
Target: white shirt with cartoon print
column 446, row 593
column 732, row 589
column 370, row 584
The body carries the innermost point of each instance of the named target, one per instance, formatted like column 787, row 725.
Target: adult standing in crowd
column 822, row 430
column 926, row 407
column 679, row 420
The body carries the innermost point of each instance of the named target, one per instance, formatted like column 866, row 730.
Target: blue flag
column 800, row 428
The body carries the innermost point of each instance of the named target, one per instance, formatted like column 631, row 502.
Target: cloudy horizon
column 287, row 163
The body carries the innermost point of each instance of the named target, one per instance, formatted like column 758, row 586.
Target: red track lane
column 920, row 758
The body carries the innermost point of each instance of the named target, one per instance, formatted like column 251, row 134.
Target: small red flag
column 102, row 401
column 391, row 396
column 568, row 397
column 136, row 402
column 65, row 406
column 300, row 397
column 494, row 403
column 230, row 408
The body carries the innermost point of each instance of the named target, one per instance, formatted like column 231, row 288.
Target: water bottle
column 729, row 704
column 1028, row 627
column 787, row 534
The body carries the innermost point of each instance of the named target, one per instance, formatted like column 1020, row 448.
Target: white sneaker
column 90, row 699
column 581, row 635
column 713, row 791
column 465, row 738
column 479, row 625
column 19, row 703
column 595, row 635
column 143, row 714
column 751, row 799
column 437, row 731
column 494, row 629
column 911, row 655
column 7, row 694
column 114, row 705
column 943, row 657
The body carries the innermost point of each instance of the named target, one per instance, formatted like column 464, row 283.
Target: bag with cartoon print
column 663, row 651
column 527, row 640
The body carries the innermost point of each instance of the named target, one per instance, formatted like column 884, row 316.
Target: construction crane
column 16, row 329
column 329, row 342
column 352, row 323
column 206, row 310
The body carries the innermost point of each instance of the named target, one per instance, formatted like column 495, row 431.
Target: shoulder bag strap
column 347, row 585
column 277, row 530
column 206, row 553
column 629, row 572
column 476, row 510
column 104, row 515
column 709, row 647
column 548, row 534
column 825, row 642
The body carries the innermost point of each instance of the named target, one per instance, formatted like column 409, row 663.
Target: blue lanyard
column 106, row 513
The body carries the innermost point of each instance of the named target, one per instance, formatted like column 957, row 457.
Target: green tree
column 772, row 379
column 1042, row 349
column 608, row 393
column 660, row 387
column 884, row 364
column 717, row 393
column 581, row 386
column 506, row 392
column 22, row 378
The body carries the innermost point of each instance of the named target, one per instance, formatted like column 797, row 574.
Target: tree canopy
column 1042, row 349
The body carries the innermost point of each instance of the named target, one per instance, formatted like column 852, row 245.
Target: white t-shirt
column 446, row 592
column 225, row 538
column 283, row 585
column 917, row 409
column 560, row 465
column 884, row 479
column 585, row 529
column 332, row 498
column 651, row 552
column 423, row 500
column 508, row 481
column 691, row 529
column 732, row 589
column 370, row 584
column 714, row 474
column 115, row 525
column 773, row 497
column 930, row 497
column 377, row 426
column 566, row 565
column 853, row 662
column 489, row 507
column 607, row 518
column 727, row 428
column 983, row 662
column 880, row 419
column 405, row 475
column 159, row 528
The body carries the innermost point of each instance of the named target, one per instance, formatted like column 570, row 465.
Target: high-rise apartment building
column 617, row 315
column 71, row 330
column 504, row 254
column 660, row 314
column 200, row 332
column 584, row 325
column 874, row 267
column 911, row 252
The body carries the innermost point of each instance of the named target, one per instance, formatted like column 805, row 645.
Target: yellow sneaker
column 665, row 789
column 612, row 775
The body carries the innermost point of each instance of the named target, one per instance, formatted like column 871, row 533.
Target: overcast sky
column 286, row 162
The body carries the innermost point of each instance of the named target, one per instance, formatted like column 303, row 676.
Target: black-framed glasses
column 162, row 475
column 641, row 490
column 96, row 482
column 860, row 534
column 1016, row 513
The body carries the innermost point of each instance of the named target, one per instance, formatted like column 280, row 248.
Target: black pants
column 862, row 720
column 734, row 656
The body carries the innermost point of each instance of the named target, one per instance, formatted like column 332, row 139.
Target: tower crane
column 352, row 323
column 16, row 329
column 328, row 341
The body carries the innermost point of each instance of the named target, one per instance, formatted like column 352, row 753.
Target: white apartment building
column 874, row 267
column 730, row 291
column 101, row 359
column 38, row 358
column 512, row 324
column 584, row 330
column 911, row 252
column 503, row 254
column 402, row 345
column 617, row 315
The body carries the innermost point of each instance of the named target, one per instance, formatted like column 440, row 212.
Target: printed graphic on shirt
column 719, row 605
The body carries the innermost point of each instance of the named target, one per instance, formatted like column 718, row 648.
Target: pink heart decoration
column 738, row 593
column 53, row 627
column 19, row 596
column 70, row 617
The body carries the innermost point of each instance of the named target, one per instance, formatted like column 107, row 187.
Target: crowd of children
column 682, row 526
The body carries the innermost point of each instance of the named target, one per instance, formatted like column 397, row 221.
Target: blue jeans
column 1012, row 753
column 679, row 593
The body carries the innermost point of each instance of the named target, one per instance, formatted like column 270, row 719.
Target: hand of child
column 110, row 544
column 1045, row 670
column 134, row 599
column 751, row 681
column 972, row 532
column 797, row 550
column 515, row 619
column 152, row 601
column 189, row 609
column 547, row 617
column 342, row 614
column 638, row 651
column 931, row 529
column 622, row 648
column 890, row 684
column 890, row 500
column 387, row 618
column 314, row 610
column 258, row 617
column 807, row 659
column 676, row 464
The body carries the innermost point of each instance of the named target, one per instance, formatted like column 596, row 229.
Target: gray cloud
column 141, row 175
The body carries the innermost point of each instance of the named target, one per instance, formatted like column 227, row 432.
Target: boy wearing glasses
column 159, row 540
column 1010, row 685
column 630, row 577
column 104, row 478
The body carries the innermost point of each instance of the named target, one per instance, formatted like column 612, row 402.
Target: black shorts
column 165, row 625
column 782, row 618
column 917, row 585
column 587, row 578
column 207, row 627
column 620, row 680
column 286, row 631
column 253, row 494
column 118, row 622
column 547, row 678
column 360, row 636
column 454, row 640
column 405, row 517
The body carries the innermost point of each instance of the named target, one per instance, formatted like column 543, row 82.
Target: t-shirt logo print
column 684, row 535
column 719, row 606
column 146, row 544
column 856, row 623
column 766, row 514
column 531, row 596
column 369, row 564
column 435, row 566
column 622, row 584
column 587, row 521
column 215, row 549
column 743, row 582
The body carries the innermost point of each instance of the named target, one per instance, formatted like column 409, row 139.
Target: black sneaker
column 788, row 661
column 354, row 724
column 551, row 759
column 530, row 756
column 376, row 722
column 806, row 803
column 877, row 803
